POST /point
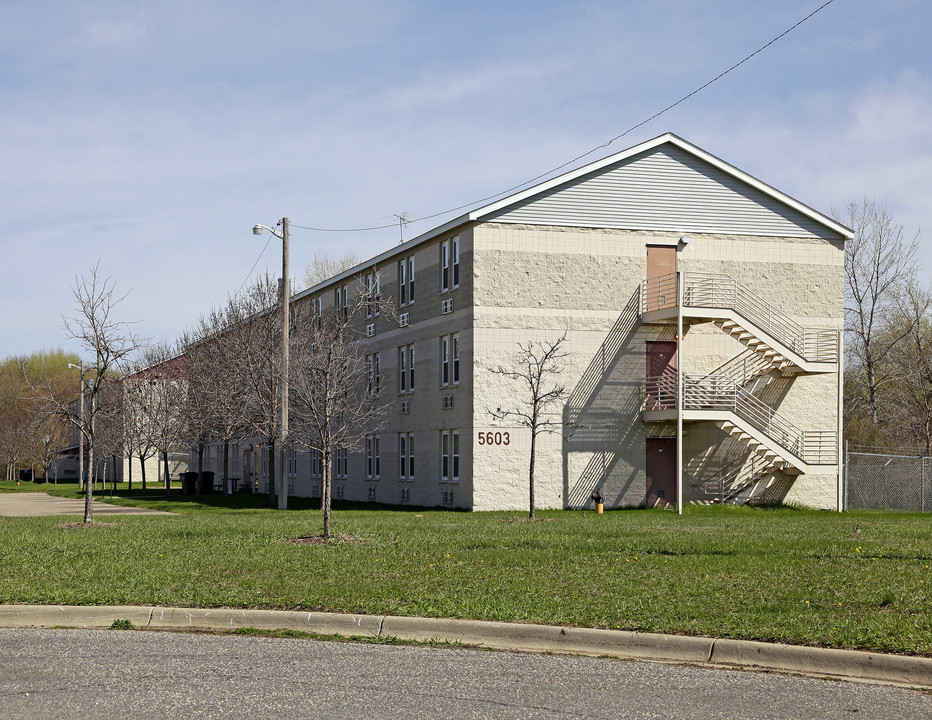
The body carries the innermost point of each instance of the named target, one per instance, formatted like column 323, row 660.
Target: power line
column 249, row 274
column 589, row 152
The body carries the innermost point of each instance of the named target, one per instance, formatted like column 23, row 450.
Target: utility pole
column 281, row 472
column 286, row 342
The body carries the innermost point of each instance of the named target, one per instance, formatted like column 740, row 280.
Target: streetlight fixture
column 80, row 425
column 282, row 479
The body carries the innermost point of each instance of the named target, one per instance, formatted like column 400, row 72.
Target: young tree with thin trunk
column 109, row 341
column 161, row 386
column 537, row 365
column 336, row 386
column 211, row 349
column 253, row 329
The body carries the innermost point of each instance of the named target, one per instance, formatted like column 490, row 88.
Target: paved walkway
column 36, row 504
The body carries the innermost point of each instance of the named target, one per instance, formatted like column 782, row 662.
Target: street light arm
column 257, row 230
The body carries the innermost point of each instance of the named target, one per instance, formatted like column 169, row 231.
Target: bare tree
column 253, row 329
column 160, row 385
column 138, row 435
column 879, row 262
column 215, row 399
column 905, row 408
column 335, row 386
column 325, row 266
column 109, row 341
column 536, row 368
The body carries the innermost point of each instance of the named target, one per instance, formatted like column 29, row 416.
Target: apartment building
column 702, row 311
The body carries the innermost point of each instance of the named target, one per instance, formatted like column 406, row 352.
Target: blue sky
column 153, row 135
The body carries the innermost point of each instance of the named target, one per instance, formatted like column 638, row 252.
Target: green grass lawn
column 790, row 575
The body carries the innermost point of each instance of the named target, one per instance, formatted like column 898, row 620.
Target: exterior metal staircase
column 737, row 479
column 773, row 341
column 741, row 313
column 743, row 416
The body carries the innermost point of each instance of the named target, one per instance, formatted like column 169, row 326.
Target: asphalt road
column 143, row 674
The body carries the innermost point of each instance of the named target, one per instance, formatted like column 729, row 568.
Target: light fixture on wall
column 685, row 240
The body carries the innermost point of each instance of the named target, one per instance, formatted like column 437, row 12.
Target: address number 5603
column 495, row 438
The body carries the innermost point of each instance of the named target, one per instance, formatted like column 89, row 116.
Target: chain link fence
column 876, row 480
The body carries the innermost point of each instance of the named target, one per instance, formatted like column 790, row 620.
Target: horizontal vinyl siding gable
column 665, row 188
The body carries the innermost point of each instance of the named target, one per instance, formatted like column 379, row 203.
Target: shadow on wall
column 602, row 419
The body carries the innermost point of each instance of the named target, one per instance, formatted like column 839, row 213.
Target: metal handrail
column 711, row 392
column 716, row 290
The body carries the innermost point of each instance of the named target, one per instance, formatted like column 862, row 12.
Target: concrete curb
column 846, row 664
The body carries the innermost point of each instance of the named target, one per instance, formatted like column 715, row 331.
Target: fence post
column 844, row 480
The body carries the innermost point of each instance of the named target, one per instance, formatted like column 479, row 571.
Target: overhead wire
column 249, row 274
column 588, row 152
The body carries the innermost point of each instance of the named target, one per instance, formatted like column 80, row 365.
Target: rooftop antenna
column 403, row 222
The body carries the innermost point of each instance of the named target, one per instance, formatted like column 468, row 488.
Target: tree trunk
column 168, row 478
column 226, row 469
column 142, row 465
column 325, row 491
column 200, row 470
column 272, row 497
column 531, row 472
column 88, row 488
column 129, row 470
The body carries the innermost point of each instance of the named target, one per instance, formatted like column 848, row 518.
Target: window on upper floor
column 406, row 281
column 450, row 360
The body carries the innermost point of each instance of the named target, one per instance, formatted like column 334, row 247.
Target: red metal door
column 660, row 289
column 660, row 374
column 661, row 472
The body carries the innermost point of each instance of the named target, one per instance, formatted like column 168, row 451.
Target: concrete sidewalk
column 822, row 662
column 36, row 504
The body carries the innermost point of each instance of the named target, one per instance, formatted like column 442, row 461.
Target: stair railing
column 723, row 394
column 715, row 290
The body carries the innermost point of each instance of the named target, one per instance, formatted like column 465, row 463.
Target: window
column 265, row 461
column 444, row 266
column 445, row 361
column 402, row 456
column 455, row 260
column 339, row 300
column 340, row 463
column 449, row 360
column 292, row 463
column 318, row 314
column 237, row 457
column 450, row 456
column 410, row 280
column 316, row 463
column 406, row 281
column 373, row 461
column 373, row 293
column 405, row 456
column 406, row 369
column 402, row 370
column 410, row 456
column 373, row 374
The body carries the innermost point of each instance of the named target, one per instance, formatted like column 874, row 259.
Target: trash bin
column 207, row 482
column 188, row 483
